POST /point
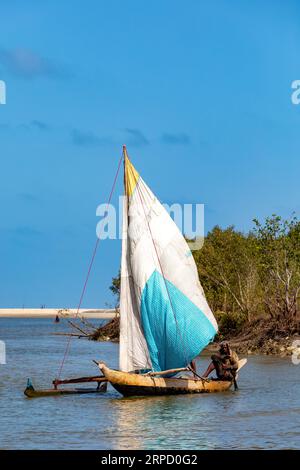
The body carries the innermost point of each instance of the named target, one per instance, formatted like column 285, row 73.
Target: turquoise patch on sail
column 177, row 331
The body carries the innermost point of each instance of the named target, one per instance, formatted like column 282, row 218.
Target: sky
column 200, row 92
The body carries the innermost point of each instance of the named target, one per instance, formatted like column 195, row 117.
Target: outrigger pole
column 101, row 381
column 31, row 392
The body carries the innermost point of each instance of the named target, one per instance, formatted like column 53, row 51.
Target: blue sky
column 199, row 91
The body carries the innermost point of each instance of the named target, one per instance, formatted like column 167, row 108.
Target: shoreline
column 251, row 342
column 102, row 314
column 282, row 347
column 259, row 338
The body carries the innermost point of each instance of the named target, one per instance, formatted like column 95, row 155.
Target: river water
column 263, row 414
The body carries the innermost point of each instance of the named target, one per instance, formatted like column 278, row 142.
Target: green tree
column 250, row 276
column 227, row 268
column 278, row 242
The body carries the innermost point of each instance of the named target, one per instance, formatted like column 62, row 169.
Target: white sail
column 165, row 318
column 133, row 351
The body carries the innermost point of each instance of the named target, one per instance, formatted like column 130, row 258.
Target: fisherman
column 225, row 363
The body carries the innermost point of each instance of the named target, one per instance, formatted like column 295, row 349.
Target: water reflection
column 159, row 422
column 265, row 413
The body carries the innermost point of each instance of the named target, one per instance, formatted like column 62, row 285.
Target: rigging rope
column 89, row 271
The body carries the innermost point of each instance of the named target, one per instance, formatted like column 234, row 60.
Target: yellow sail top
column 131, row 175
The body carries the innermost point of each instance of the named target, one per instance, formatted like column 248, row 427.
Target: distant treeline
column 249, row 276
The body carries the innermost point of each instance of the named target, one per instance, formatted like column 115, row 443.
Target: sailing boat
column 165, row 320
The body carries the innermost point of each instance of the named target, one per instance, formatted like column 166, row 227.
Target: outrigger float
column 165, row 320
column 100, row 380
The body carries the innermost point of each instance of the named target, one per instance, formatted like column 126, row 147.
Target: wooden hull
column 130, row 384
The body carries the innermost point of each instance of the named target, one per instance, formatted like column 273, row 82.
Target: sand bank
column 52, row 312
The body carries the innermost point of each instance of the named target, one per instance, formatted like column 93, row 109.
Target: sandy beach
column 52, row 312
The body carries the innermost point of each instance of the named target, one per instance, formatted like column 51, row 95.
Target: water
column 265, row 413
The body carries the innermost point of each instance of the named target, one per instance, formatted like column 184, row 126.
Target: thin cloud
column 87, row 139
column 28, row 197
column 137, row 138
column 25, row 63
column 40, row 125
column 25, row 231
column 35, row 124
column 176, row 139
